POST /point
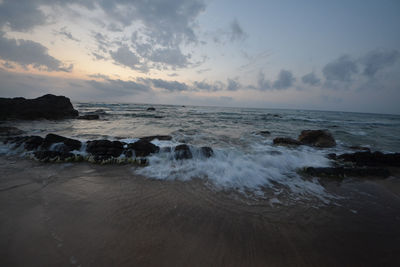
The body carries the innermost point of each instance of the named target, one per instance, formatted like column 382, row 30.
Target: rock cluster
column 59, row 148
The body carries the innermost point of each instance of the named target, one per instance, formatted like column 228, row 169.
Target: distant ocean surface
column 244, row 158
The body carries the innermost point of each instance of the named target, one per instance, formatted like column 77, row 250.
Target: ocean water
column 244, row 160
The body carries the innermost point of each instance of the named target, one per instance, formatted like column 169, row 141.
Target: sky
column 323, row 55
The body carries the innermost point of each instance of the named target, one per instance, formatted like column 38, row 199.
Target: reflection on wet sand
column 91, row 215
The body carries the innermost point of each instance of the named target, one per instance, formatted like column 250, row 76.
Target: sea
column 245, row 159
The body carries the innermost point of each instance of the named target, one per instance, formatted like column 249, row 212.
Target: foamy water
column 243, row 158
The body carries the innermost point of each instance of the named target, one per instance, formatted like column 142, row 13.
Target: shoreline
column 85, row 214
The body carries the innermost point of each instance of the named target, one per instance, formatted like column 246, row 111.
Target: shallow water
column 244, row 160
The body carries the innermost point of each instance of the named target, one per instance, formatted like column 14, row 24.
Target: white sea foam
column 265, row 167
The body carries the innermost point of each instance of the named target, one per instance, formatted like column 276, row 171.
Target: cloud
column 236, row 32
column 203, row 70
column 233, row 85
column 172, row 57
column 29, row 53
column 311, row 79
column 170, row 86
column 119, row 87
column 124, row 56
column 284, row 81
column 65, row 33
column 21, row 15
column 377, row 60
column 210, row 87
column 341, row 69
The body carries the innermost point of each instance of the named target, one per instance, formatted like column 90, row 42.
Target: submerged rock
column 150, row 109
column 286, row 141
column 341, row 172
column 363, row 148
column 183, row 152
column 47, row 155
column 45, row 107
column 318, row 138
column 70, row 144
column 143, row 148
column 371, row 159
column 10, row 131
column 207, row 151
column 89, row 117
column 159, row 137
column 30, row 142
column 104, row 149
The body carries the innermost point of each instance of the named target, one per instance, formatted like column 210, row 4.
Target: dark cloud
column 170, row 86
column 210, row 87
column 65, row 33
column 29, row 53
column 119, row 87
column 236, row 32
column 124, row 56
column 284, row 81
column 311, row 79
column 20, row 15
column 233, row 85
column 172, row 57
column 377, row 60
column 341, row 69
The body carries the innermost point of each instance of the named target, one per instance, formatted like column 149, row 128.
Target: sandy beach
column 92, row 215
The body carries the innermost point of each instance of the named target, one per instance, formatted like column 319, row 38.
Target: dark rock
column 286, row 141
column 70, row 144
column 360, row 148
column 47, row 155
column 30, row 142
column 151, row 109
column 331, row 156
column 89, row 117
column 318, row 138
column 207, row 151
column 10, row 131
column 45, row 107
column 351, row 172
column 159, row 137
column 143, row 148
column 371, row 159
column 33, row 142
column 183, row 152
column 104, row 149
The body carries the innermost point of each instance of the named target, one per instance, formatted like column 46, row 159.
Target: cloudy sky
column 326, row 55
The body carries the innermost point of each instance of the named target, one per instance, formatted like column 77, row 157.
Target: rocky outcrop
column 49, row 107
column 341, row 172
column 104, row 149
column 182, row 152
column 143, row 148
column 286, row 141
column 317, row 138
column 89, row 117
column 150, row 109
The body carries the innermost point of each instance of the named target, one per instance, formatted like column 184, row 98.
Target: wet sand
column 92, row 215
